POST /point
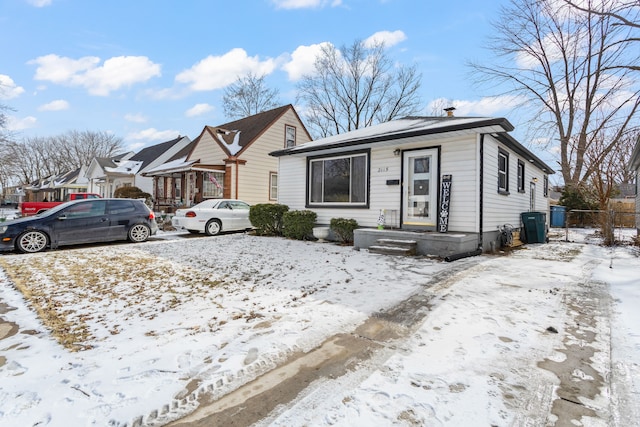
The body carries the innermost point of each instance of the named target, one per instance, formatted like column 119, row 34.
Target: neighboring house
column 458, row 179
column 108, row 174
column 634, row 166
column 56, row 187
column 231, row 160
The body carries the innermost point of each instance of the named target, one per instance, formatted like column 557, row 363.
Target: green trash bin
column 535, row 226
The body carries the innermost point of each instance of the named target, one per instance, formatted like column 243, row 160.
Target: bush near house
column 298, row 224
column 130, row 193
column 267, row 218
column 343, row 228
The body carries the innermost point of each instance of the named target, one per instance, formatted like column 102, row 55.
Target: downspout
column 237, row 179
column 481, row 201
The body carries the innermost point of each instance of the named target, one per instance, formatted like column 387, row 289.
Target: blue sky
column 148, row 70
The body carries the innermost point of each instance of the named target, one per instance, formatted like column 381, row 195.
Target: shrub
column 132, row 193
column 343, row 228
column 267, row 218
column 298, row 224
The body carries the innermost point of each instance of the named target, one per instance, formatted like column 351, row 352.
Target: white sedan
column 213, row 216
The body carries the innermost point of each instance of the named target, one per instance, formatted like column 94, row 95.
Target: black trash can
column 535, row 226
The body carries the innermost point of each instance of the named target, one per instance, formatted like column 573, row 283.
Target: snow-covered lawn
column 126, row 334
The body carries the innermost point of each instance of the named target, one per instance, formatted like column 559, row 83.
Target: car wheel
column 213, row 227
column 32, row 241
column 139, row 233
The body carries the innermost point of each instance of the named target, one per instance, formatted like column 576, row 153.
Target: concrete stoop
column 394, row 247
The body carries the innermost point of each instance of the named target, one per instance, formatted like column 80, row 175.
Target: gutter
column 481, row 201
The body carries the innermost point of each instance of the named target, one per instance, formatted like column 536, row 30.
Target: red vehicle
column 33, row 208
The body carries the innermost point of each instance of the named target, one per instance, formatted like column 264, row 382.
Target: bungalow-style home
column 634, row 166
column 231, row 160
column 105, row 175
column 56, row 187
column 451, row 184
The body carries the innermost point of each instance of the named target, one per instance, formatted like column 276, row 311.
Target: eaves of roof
column 436, row 127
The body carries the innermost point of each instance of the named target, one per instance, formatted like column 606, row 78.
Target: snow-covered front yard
column 133, row 334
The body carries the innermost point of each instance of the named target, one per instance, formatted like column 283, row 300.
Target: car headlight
column 3, row 228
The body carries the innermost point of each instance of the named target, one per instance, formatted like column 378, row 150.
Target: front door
column 419, row 190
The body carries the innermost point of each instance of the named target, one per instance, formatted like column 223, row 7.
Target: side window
column 290, row 136
column 503, row 172
column 273, row 186
column 520, row 176
column 82, row 210
column 546, row 186
column 120, row 207
column 239, row 205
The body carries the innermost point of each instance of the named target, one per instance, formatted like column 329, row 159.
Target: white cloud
column 198, row 110
column 389, row 38
column 302, row 61
column 57, row 105
column 8, row 88
column 14, row 123
column 135, row 118
column 216, row 72
column 113, row 74
column 40, row 3
column 485, row 107
column 153, row 134
column 305, row 4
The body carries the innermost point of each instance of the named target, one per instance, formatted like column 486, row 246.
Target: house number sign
column 445, row 199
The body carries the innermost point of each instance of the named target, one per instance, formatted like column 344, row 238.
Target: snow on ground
column 150, row 327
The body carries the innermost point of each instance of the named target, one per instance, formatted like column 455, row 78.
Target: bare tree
column 624, row 13
column 39, row 157
column 565, row 63
column 355, row 87
column 247, row 96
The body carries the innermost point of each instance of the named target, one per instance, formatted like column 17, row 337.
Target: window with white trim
column 503, row 172
column 339, row 180
column 289, row 136
column 273, row 186
column 546, row 186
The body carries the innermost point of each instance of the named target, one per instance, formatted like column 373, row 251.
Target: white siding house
column 105, row 175
column 397, row 169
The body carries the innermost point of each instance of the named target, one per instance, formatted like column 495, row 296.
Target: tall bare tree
column 247, row 96
column 565, row 63
column 39, row 157
column 356, row 86
column 624, row 13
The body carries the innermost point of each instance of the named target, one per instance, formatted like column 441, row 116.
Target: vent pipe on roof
column 450, row 111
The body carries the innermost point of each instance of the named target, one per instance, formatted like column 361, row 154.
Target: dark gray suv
column 77, row 222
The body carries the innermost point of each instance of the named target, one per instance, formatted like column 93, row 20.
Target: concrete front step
column 391, row 250
column 394, row 247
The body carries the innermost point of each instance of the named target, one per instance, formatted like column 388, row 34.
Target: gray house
column 450, row 183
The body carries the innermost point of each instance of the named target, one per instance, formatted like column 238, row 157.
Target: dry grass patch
column 84, row 295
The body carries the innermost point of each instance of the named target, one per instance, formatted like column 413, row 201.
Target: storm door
column 420, row 195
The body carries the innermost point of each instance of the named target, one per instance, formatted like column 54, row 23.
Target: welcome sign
column 445, row 199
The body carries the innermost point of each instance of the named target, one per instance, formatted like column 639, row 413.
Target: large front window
column 339, row 180
column 212, row 185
